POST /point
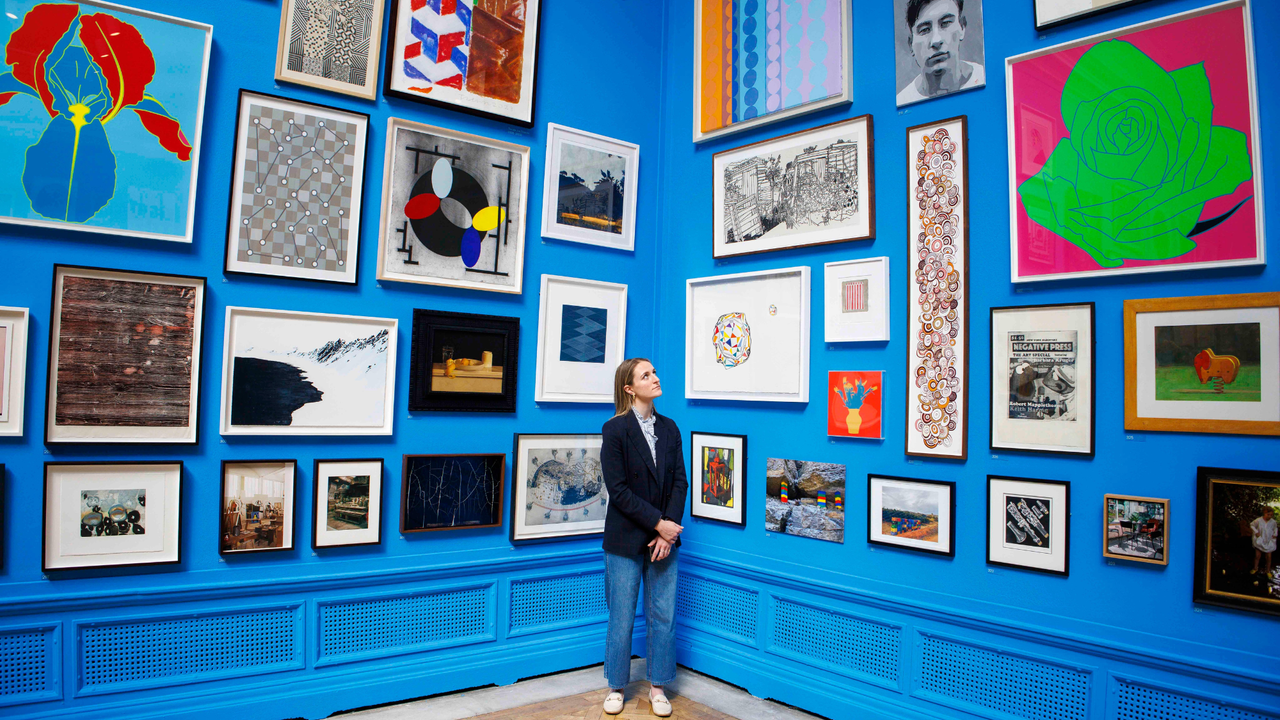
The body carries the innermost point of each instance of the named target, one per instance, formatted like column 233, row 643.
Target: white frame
column 373, row 73
column 386, row 229
column 1057, row 559
column 876, row 327
column 520, row 484
column 1261, row 252
column 17, row 321
column 600, row 382
column 802, row 394
column 322, row 536
column 391, row 325
column 557, row 136
column 738, row 478
column 1078, row 14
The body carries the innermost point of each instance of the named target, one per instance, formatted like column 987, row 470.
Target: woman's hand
column 659, row 549
column 668, row 530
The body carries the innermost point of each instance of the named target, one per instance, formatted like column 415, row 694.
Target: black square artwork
column 463, row 362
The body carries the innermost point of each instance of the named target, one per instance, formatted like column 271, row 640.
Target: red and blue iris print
column 450, row 213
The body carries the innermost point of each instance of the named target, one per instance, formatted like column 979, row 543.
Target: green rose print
column 1142, row 158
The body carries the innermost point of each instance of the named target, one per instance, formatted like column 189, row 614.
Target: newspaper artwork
column 1042, row 375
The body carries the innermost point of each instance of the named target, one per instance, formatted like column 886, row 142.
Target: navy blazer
column 641, row 492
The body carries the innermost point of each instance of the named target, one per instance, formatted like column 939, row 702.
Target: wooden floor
column 590, row 706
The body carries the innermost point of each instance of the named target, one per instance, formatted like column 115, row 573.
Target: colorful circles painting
column 732, row 339
column 450, row 213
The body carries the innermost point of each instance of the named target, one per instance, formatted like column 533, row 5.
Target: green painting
column 1209, row 363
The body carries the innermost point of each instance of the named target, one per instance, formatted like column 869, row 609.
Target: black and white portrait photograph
column 938, row 48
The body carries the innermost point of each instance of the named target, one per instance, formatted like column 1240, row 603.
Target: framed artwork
column 558, row 489
column 747, row 336
column 912, row 514
column 111, row 514
column 582, row 329
column 742, row 50
column 1029, row 524
column 301, row 373
column 134, row 177
column 124, row 357
column 811, row 187
column 854, row 404
column 476, row 56
column 1050, row 13
column 14, row 323
column 938, row 260
column 804, row 498
column 1206, row 364
column 855, row 297
column 453, row 209
column 331, row 45
column 1236, row 560
column 1135, row 528
column 1043, row 378
column 938, row 48
column 595, row 179
column 256, row 512
column 1175, row 187
column 348, row 503
column 465, row 362
column 719, row 464
column 297, row 189
column 449, row 492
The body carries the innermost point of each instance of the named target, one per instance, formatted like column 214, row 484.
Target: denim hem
column 651, row 681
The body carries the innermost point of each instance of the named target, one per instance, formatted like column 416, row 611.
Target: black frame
column 1205, row 476
column 404, row 490
column 695, row 479
column 951, row 496
column 1099, row 11
column 222, row 495
column 1066, row 544
column 515, row 473
column 425, row 324
column 382, row 500
column 231, row 196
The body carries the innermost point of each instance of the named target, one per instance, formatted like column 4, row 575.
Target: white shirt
column 1264, row 534
column 647, row 426
column 910, row 94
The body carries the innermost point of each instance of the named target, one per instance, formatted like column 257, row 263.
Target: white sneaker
column 613, row 703
column 661, row 705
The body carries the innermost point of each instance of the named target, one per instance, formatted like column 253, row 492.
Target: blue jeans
column 621, row 589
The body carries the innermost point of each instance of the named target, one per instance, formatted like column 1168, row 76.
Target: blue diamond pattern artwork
column 582, row 334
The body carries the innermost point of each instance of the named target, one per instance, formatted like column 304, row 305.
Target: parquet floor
column 590, row 706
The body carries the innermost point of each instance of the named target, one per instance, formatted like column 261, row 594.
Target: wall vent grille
column 1136, row 702
column 558, row 601
column 1019, row 688
column 27, row 667
column 865, row 647
column 389, row 625
column 723, row 608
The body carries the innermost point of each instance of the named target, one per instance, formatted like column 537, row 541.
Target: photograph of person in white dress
column 939, row 48
column 1264, row 539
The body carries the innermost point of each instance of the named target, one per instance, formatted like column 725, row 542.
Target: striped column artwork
column 854, row 296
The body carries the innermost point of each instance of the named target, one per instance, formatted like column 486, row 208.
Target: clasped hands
column 668, row 533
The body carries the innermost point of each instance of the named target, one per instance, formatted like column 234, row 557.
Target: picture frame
column 718, row 477
column 429, row 495
column 723, row 98
column 595, row 211
column 1050, row 14
column 1054, row 165
column 297, row 219
column 937, row 419
column 1038, row 544
column 582, row 332
column 139, row 526
column 937, row 53
column 1135, row 529
column 809, row 187
column 805, row 499
column 488, row 384
column 338, row 52
column 348, row 503
column 855, row 300
column 1230, row 525
column 911, row 514
column 466, row 56
column 1043, row 378
column 97, row 320
column 540, row 509
column 257, row 507
column 1217, row 369
column 15, row 322
column 276, row 363
column 855, row 407
column 723, row 315
column 419, row 242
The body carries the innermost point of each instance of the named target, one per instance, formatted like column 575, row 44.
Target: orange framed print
column 1135, row 528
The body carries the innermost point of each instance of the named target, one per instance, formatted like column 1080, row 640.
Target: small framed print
column 463, row 362
column 1042, row 378
column 1135, row 528
column 596, row 181
column 348, row 503
column 582, row 330
column 1052, row 13
column 1237, row 512
column 557, row 487
column 14, row 322
column 854, row 404
column 912, row 514
column 1029, row 524
column 257, row 509
column 331, row 46
column 719, row 466
column 111, row 514
column 451, row 492
column 855, row 298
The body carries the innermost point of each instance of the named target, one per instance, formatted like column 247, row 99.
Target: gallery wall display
column 718, row 468
column 805, row 499
column 297, row 189
column 1050, row 13
column 1029, row 524
column 331, row 45
column 124, row 357
column 855, row 299
column 596, row 180
column 854, row 404
column 912, row 514
column 1043, row 378
column 1236, row 559
column 477, row 57
column 741, row 50
column 938, row 260
column 558, row 489
column 82, row 171
column 257, row 509
column 453, row 209
column 1135, row 528
column 938, row 49
column 301, row 373
column 348, row 503
column 111, row 514
column 1175, row 186
column 14, row 323
column 1206, row 364
column 582, row 331
column 450, row 492
column 811, row 187
column 747, row 336
column 461, row 361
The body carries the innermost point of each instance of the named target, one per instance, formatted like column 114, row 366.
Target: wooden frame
column 499, row 485
column 1205, row 572
column 557, row 137
column 288, row 509
column 318, row 501
column 1106, row 535
column 1064, row 19
column 367, row 91
column 1064, row 513
column 951, row 515
column 13, row 363
column 519, row 490
column 592, row 381
column 695, row 480
column 426, row 323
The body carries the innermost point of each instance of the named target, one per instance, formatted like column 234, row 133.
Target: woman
column 643, row 464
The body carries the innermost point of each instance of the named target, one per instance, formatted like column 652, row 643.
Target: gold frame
column 1106, row 499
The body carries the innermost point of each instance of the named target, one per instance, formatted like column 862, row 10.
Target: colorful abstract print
column 471, row 45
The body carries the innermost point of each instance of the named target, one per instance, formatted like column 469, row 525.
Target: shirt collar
column 653, row 416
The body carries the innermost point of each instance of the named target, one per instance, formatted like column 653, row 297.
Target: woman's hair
column 621, row 378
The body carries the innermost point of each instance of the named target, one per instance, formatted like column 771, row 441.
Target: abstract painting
column 1236, row 528
column 582, row 327
column 583, row 331
column 348, row 503
column 558, row 487
column 476, row 56
column 1136, row 528
column 1028, row 523
column 805, row 498
column 452, row 209
column 854, row 404
column 807, row 188
column 1144, row 154
column 447, row 492
column 297, row 188
column 331, row 45
column 938, row 48
column 856, row 300
column 595, row 181
column 1055, row 12
column 911, row 514
column 257, row 506
column 116, row 150
column 14, row 323
column 462, row 361
column 719, row 464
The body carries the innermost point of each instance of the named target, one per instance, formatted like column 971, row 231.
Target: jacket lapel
column 642, row 445
column 661, row 451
